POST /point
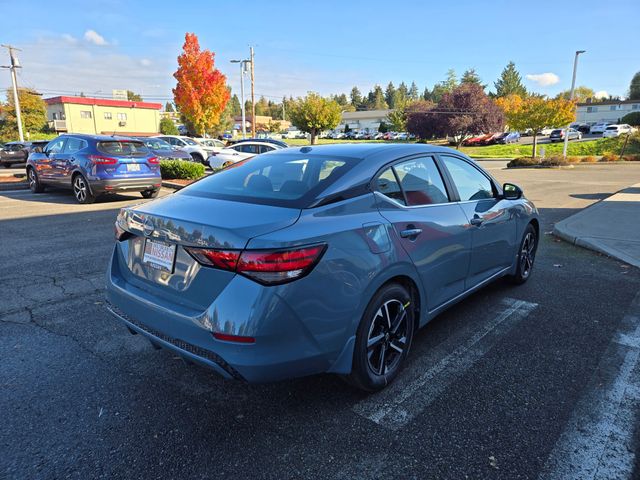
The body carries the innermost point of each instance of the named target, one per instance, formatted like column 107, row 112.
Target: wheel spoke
column 387, row 315
column 398, row 344
column 373, row 342
column 381, row 365
column 398, row 320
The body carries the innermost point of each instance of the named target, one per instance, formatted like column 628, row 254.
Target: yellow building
column 103, row 116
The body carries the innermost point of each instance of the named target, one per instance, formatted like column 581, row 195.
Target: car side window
column 74, row 144
column 421, row 182
column 265, row 148
column 249, row 149
column 55, row 146
column 388, row 185
column 470, row 182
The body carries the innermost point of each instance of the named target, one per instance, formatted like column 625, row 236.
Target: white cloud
column 94, row 37
column 543, row 79
column 69, row 38
column 145, row 62
column 601, row 94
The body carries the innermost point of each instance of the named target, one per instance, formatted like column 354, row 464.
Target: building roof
column 607, row 102
column 103, row 102
column 366, row 114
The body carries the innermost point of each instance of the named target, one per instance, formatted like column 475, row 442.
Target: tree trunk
column 313, row 136
column 535, row 144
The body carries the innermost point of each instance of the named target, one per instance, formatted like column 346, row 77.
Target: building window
column 122, row 117
column 613, row 107
column 85, row 114
column 55, row 116
column 592, row 109
column 107, row 115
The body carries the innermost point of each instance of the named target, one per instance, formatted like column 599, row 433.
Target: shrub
column 167, row 127
column 632, row 158
column 610, row 157
column 554, row 161
column 523, row 162
column 181, row 169
column 573, row 159
column 632, row 118
column 589, row 159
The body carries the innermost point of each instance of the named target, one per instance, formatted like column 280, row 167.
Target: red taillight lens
column 269, row 267
column 153, row 160
column 225, row 337
column 103, row 160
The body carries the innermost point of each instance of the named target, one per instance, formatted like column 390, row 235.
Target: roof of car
column 362, row 150
column 98, row 138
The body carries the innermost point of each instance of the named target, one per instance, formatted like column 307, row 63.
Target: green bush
column 178, row 169
column 632, row 118
column 167, row 127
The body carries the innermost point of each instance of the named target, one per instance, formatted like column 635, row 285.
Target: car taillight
column 103, row 160
column 153, row 160
column 269, row 267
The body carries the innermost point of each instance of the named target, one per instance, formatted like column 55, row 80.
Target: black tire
column 81, row 190
column 149, row 193
column 34, row 182
column 526, row 256
column 197, row 158
column 6, row 165
column 383, row 338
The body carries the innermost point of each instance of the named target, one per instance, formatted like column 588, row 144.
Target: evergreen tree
column 168, row 107
column 413, row 92
column 235, row 108
column 426, row 95
column 389, row 95
column 510, row 82
column 471, row 77
column 634, row 87
column 403, row 91
column 356, row 97
column 378, row 102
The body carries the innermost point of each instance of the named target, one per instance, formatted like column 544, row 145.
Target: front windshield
column 282, row 179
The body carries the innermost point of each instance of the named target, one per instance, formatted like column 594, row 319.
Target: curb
column 561, row 230
column 175, row 186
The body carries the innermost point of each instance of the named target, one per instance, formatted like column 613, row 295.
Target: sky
column 96, row 46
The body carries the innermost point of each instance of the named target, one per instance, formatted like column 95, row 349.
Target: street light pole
column 243, row 68
column 15, row 64
column 253, row 98
column 573, row 87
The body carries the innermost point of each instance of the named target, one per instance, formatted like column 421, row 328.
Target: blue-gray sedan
column 316, row 259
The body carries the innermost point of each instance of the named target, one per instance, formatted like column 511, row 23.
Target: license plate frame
column 159, row 255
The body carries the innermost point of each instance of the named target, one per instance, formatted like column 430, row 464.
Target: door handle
column 410, row 232
column 477, row 221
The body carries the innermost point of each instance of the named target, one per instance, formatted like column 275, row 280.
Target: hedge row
column 557, row 160
column 178, row 169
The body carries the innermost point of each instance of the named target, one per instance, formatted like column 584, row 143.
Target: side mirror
column 511, row 192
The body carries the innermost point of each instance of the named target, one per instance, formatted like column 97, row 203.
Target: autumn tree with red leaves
column 201, row 94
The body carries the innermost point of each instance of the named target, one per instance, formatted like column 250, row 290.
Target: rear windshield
column 612, row 128
column 126, row 148
column 189, row 141
column 279, row 179
column 557, row 131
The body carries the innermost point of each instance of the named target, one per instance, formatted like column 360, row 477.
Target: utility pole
column 15, row 64
column 253, row 96
column 573, row 86
column 283, row 118
column 243, row 69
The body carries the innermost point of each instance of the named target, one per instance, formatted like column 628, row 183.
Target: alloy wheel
column 527, row 254
column 32, row 179
column 387, row 338
column 80, row 189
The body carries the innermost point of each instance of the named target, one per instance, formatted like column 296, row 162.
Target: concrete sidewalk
column 611, row 226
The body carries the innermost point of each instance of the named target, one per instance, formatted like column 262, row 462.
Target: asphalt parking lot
column 536, row 381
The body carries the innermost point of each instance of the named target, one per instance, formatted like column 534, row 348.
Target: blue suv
column 94, row 164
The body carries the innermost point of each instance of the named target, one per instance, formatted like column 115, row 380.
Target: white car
column 546, row 131
column 189, row 145
column 240, row 151
column 617, row 130
column 211, row 145
column 599, row 127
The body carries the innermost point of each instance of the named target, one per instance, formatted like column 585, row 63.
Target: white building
column 366, row 121
column 606, row 111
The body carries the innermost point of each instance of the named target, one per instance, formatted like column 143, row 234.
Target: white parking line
column 399, row 403
column 597, row 442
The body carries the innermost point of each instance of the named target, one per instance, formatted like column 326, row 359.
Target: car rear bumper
column 283, row 347
column 126, row 184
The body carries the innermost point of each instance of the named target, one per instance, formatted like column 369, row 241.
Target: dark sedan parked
column 18, row 152
column 94, row 164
